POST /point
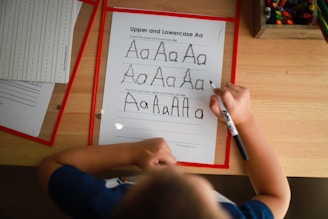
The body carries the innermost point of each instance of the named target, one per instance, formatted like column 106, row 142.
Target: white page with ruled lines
column 157, row 82
column 23, row 104
column 36, row 40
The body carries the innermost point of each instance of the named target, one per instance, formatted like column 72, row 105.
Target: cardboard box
column 285, row 31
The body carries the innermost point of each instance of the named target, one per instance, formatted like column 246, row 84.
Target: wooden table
column 288, row 80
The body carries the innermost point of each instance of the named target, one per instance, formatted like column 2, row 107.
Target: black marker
column 231, row 126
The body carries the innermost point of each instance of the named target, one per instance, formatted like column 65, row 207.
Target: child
column 165, row 192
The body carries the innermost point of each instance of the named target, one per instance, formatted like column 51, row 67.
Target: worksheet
column 157, row 81
column 36, row 40
column 23, row 104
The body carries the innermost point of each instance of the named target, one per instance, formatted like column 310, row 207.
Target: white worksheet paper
column 36, row 40
column 157, row 82
column 23, row 104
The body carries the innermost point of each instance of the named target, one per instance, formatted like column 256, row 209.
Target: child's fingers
column 228, row 97
column 214, row 106
column 235, row 89
column 224, row 92
column 218, row 91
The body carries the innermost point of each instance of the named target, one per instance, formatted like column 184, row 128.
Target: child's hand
column 237, row 101
column 152, row 153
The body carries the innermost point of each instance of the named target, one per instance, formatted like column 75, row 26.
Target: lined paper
column 23, row 105
column 36, row 40
column 157, row 82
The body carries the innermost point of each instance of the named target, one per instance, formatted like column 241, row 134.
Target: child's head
column 169, row 194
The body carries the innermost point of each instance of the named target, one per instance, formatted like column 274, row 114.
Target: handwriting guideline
column 156, row 83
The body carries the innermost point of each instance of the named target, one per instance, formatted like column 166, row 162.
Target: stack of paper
column 35, row 50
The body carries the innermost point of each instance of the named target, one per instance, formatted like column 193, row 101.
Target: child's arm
column 145, row 154
column 263, row 167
